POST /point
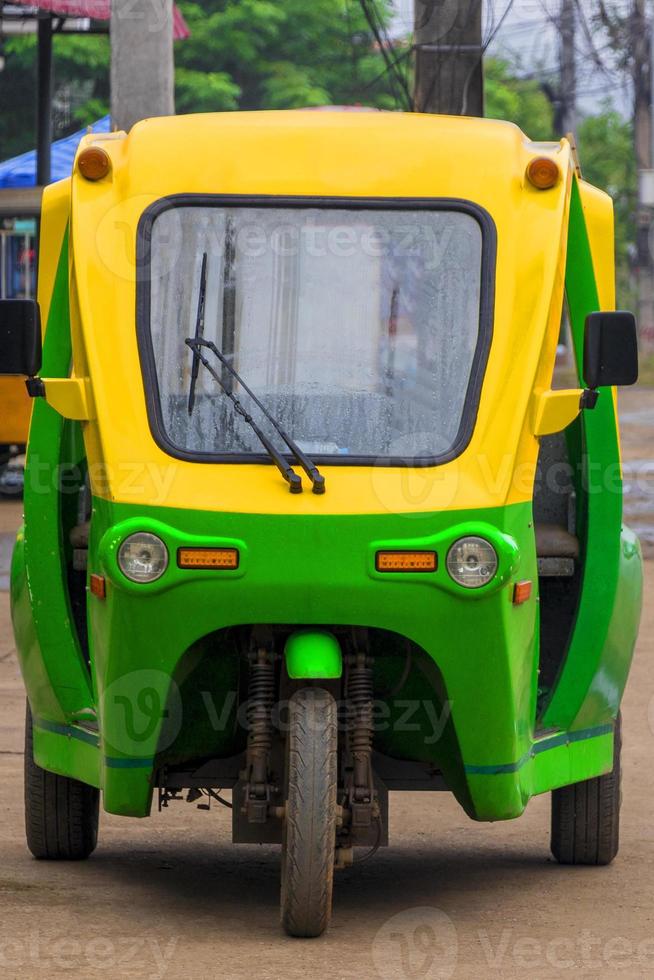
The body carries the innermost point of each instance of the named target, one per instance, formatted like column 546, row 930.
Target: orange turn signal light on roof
column 218, row 558
column 406, row 561
column 543, row 173
column 94, row 163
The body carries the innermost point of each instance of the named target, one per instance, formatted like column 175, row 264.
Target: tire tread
column 586, row 816
column 310, row 830
column 61, row 814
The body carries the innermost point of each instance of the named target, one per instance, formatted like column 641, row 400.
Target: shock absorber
column 261, row 698
column 360, row 728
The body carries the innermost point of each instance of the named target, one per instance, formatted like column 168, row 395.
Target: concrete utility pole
column 44, row 99
column 565, row 111
column 642, row 80
column 142, row 65
column 449, row 57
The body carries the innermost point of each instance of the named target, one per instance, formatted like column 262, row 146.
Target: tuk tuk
column 19, row 208
column 306, row 516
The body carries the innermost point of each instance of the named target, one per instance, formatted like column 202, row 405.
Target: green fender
column 313, row 655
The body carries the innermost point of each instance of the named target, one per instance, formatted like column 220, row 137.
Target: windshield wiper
column 309, row 467
column 199, row 331
column 289, row 474
column 195, row 344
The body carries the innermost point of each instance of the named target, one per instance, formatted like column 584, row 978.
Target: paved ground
column 171, row 897
column 637, row 431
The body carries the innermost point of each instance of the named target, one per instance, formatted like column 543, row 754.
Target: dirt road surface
column 172, row 897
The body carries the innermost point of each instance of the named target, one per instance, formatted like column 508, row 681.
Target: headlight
column 143, row 557
column 472, row 562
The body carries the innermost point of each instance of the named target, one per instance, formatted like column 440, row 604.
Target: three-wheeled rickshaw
column 306, row 516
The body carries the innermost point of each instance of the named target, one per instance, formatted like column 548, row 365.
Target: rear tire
column 310, row 820
column 586, row 816
column 61, row 814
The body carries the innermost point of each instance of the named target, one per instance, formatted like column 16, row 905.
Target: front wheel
column 586, row 816
column 309, row 839
column 61, row 814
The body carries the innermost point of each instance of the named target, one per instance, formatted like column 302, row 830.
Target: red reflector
column 98, row 586
column 521, row 592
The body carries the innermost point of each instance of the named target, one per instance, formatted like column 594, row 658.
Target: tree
column 273, row 54
column 607, row 160
column 81, row 88
column 270, row 54
column 605, row 144
column 518, row 100
column 242, row 54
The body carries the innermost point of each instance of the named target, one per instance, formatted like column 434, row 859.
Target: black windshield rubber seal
column 480, row 358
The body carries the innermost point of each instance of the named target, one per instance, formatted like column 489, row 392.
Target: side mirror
column 610, row 349
column 20, row 337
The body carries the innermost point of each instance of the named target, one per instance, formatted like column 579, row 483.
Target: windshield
column 358, row 328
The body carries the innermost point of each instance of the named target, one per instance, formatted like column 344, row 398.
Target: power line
column 402, row 79
column 378, row 28
column 495, row 30
column 400, row 58
column 591, row 44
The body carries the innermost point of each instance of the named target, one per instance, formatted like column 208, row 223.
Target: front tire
column 310, row 820
column 61, row 814
column 586, row 816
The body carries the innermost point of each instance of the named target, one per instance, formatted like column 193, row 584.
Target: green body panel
column 160, row 682
column 67, row 750
column 313, row 655
column 297, row 571
column 50, row 653
column 597, row 663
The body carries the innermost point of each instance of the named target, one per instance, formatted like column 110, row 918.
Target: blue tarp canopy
column 20, row 171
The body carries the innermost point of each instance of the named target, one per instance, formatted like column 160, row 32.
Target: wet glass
column 357, row 328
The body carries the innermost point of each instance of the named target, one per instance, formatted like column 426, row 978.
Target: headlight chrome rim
column 158, row 557
column 485, row 570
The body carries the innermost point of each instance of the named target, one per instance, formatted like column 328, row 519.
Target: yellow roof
column 322, row 153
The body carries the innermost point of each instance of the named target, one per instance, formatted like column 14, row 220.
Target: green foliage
column 607, row 160
column 205, row 91
column 605, row 144
column 271, row 54
column 520, row 101
column 81, row 88
column 286, row 53
column 242, row 54
column 17, row 118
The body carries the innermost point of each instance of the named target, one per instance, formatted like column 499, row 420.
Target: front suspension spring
column 360, row 728
column 261, row 698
